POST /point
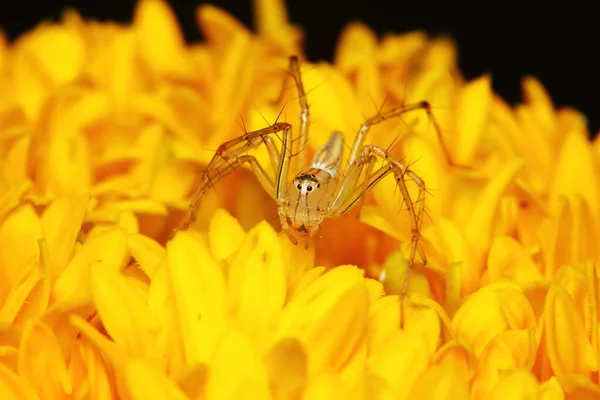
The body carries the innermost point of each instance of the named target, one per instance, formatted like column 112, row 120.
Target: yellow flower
column 103, row 128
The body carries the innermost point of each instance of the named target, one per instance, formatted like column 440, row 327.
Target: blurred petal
column 160, row 41
column 12, row 386
column 569, row 349
column 145, row 382
column 440, row 382
column 517, row 384
column 42, row 364
column 473, row 105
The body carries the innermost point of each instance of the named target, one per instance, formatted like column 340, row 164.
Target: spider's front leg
column 348, row 195
column 231, row 155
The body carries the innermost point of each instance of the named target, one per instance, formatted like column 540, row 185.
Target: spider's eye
column 318, row 185
column 309, row 188
column 299, row 186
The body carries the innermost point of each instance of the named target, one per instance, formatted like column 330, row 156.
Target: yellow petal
column 217, row 25
column 327, row 386
column 89, row 372
column 147, row 252
column 569, row 349
column 108, row 249
column 490, row 311
column 400, row 360
column 143, row 381
column 540, row 102
column 516, row 384
column 329, row 317
column 473, row 105
column 456, row 356
column 38, row 299
column 225, row 235
column 18, row 246
column 509, row 260
column 236, row 370
column 287, row 368
column 124, row 312
column 551, row 390
column 272, row 22
column 480, row 225
column 159, row 39
column 576, row 154
column 200, row 295
column 42, row 363
column 356, row 55
column 15, row 387
column 440, row 382
column 257, row 285
column 577, row 387
column 50, row 56
column 170, row 336
column 62, row 223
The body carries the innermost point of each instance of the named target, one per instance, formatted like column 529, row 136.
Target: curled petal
column 569, row 349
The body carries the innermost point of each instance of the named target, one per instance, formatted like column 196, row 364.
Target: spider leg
column 349, row 195
column 301, row 140
column 393, row 113
column 230, row 155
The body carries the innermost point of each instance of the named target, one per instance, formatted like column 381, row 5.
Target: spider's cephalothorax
column 311, row 193
column 325, row 189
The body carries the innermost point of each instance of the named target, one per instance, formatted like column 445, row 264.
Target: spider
column 322, row 190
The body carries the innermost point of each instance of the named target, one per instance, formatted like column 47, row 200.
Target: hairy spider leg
column 228, row 158
column 299, row 144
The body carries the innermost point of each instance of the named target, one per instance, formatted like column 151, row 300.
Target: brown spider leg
column 227, row 159
column 298, row 149
column 368, row 173
column 393, row 113
column 350, row 199
column 273, row 152
column 347, row 198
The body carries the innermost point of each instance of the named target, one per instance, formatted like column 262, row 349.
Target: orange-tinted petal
column 576, row 154
column 440, row 382
column 144, row 381
column 42, row 364
column 509, row 260
column 569, row 349
column 287, row 368
column 14, row 387
column 516, row 384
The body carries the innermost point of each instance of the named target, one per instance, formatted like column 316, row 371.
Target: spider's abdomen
column 329, row 157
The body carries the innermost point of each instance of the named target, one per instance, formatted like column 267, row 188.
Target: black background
column 559, row 48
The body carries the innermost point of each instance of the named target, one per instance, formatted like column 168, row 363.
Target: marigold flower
column 102, row 130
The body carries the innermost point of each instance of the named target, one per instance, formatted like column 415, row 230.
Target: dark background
column 558, row 48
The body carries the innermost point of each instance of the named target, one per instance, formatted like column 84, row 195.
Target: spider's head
column 309, row 197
